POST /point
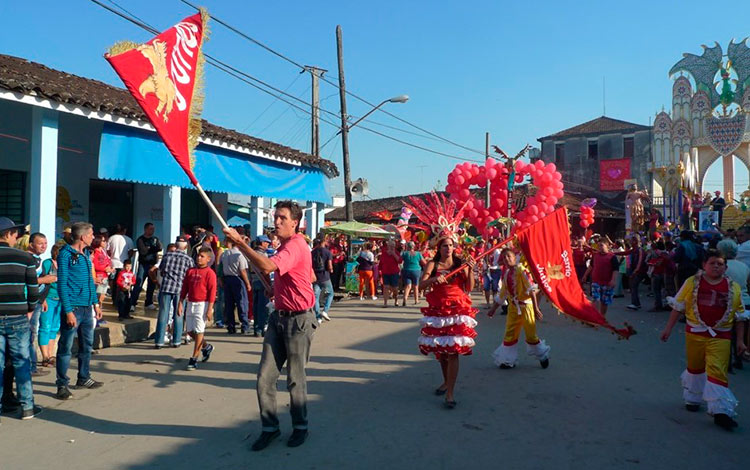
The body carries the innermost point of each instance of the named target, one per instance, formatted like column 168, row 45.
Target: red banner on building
column 613, row 173
column 546, row 246
column 161, row 75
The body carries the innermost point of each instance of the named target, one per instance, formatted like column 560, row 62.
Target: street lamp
column 345, row 146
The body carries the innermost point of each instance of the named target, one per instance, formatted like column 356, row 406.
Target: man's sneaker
column 724, row 421
column 132, row 308
column 193, row 363
column 28, row 414
column 88, row 383
column 297, row 438
column 320, row 321
column 150, row 307
column 692, row 407
column 544, row 363
column 374, row 297
column 39, row 372
column 264, row 439
column 507, row 366
column 207, row 352
column 63, row 393
column 633, row 307
column 325, row 316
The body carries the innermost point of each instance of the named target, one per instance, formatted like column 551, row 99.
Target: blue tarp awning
column 138, row 156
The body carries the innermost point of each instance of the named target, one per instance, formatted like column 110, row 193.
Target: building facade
column 580, row 150
column 75, row 149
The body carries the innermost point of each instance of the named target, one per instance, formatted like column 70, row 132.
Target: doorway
column 110, row 203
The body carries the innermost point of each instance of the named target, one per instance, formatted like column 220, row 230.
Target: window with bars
column 13, row 195
column 559, row 154
column 593, row 150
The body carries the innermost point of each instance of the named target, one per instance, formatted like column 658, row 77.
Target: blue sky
column 519, row 70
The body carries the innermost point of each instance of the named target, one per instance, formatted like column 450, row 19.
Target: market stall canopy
column 358, row 229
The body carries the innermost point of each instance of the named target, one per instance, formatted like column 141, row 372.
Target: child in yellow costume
column 711, row 303
column 523, row 311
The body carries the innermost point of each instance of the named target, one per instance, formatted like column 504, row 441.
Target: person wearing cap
column 20, row 295
column 260, row 300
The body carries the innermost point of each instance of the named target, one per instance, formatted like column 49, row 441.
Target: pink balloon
column 552, row 201
column 520, row 166
column 473, row 213
column 542, row 207
column 546, row 178
column 548, row 191
column 499, row 203
column 533, row 219
column 539, row 164
column 460, row 180
column 558, row 193
column 584, row 224
column 491, row 174
column 490, row 163
column 533, row 210
column 464, row 193
column 557, row 175
column 551, row 167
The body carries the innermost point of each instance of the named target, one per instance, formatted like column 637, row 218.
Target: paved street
column 602, row 403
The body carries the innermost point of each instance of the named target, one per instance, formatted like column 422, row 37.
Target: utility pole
column 315, row 74
column 344, row 128
column 487, row 157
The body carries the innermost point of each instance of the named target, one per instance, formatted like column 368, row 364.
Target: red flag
column 546, row 246
column 161, row 75
column 613, row 173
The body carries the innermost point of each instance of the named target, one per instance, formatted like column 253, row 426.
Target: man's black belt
column 292, row 313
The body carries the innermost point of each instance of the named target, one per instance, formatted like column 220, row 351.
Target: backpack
column 318, row 261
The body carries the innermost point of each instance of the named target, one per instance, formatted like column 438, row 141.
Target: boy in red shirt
column 199, row 287
column 604, row 266
column 125, row 280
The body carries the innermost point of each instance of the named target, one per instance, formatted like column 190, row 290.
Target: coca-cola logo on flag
column 161, row 75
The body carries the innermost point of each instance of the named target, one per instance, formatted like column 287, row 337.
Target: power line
column 269, row 106
column 249, row 79
column 330, row 82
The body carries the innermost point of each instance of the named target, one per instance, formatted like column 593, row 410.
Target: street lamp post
column 345, row 126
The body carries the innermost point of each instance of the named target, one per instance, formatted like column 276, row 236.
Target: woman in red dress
column 448, row 322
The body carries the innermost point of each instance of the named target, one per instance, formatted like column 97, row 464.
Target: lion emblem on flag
column 159, row 82
column 555, row 271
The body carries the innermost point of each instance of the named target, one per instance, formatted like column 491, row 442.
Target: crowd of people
column 281, row 285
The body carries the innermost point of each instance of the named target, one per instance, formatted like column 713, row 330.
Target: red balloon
column 559, row 193
column 583, row 224
column 473, row 213
column 551, row 167
column 533, row 219
column 533, row 210
column 552, row 201
column 539, row 164
column 464, row 193
column 542, row 207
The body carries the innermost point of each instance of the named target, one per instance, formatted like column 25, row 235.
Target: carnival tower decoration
column 707, row 121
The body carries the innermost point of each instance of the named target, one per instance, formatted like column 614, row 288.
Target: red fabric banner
column 546, row 246
column 613, row 173
column 161, row 75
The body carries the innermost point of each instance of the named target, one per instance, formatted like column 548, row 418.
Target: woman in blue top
column 49, row 320
column 411, row 271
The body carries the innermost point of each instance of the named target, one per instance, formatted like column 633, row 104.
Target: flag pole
column 223, row 223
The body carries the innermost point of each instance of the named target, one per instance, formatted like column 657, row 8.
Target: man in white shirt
column 743, row 239
column 119, row 248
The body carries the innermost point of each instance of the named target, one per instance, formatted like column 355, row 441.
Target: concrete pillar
column 256, row 216
column 728, row 164
column 321, row 216
column 172, row 197
column 221, row 201
column 311, row 219
column 43, row 174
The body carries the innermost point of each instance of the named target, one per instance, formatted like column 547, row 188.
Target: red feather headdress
column 438, row 216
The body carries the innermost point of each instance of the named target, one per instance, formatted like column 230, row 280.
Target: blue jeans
column 138, row 287
column 168, row 309
column 49, row 322
column 33, row 334
column 327, row 287
column 219, row 307
column 85, row 329
column 15, row 334
column 235, row 295
column 260, row 312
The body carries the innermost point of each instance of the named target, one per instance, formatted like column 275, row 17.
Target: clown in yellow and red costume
column 523, row 310
column 712, row 304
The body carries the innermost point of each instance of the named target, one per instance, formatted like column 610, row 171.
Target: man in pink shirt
column 290, row 326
